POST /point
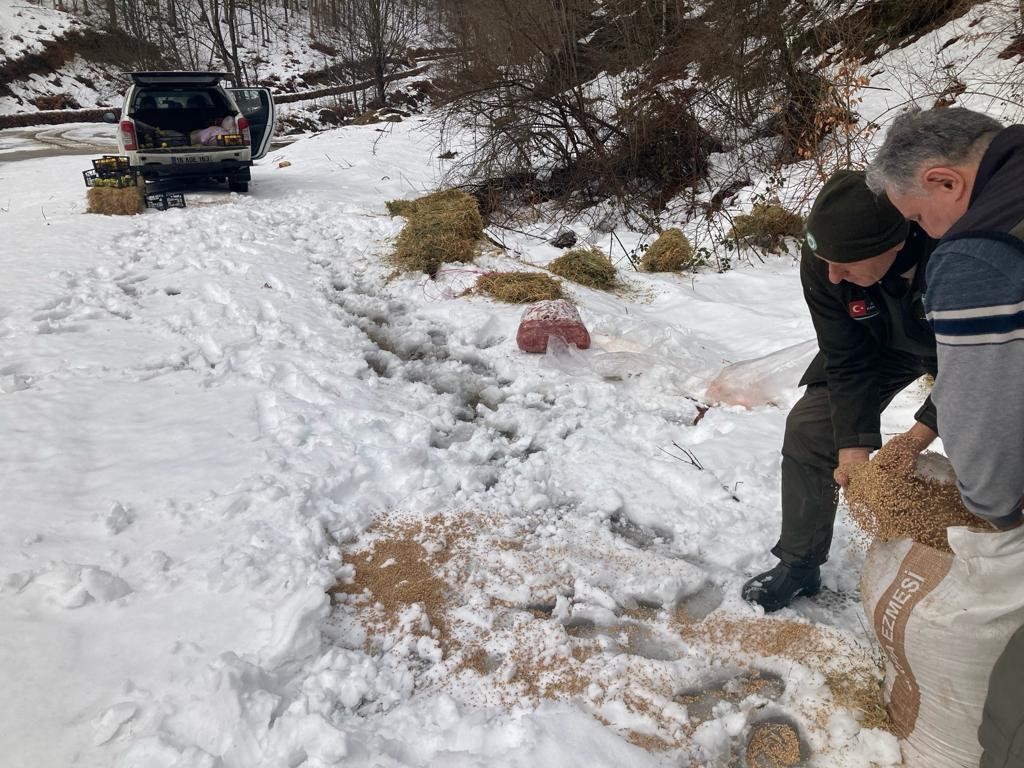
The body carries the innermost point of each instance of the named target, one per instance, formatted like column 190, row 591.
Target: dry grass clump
column 889, row 500
column 400, row 207
column 766, row 226
column 671, row 252
column 519, row 287
column 586, row 266
column 773, row 745
column 442, row 227
column 112, row 201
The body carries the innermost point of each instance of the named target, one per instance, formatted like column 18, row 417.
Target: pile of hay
column 519, row 287
column 443, row 227
column 766, row 226
column 115, row 201
column 671, row 252
column 400, row 207
column 586, row 266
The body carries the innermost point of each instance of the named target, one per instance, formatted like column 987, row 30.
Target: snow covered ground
column 222, row 424
column 265, row 503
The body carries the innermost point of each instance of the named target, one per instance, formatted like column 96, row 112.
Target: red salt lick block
column 545, row 319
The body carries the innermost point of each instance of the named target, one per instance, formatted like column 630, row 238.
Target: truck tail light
column 128, row 135
column 243, row 128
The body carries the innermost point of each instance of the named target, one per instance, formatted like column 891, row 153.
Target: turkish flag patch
column 858, row 308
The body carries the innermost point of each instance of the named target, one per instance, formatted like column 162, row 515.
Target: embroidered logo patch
column 812, row 243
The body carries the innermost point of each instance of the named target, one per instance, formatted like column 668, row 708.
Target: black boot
column 776, row 588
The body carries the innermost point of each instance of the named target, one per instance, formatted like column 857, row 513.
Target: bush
column 586, row 266
column 671, row 252
column 443, row 227
column 56, row 101
column 766, row 226
column 519, row 287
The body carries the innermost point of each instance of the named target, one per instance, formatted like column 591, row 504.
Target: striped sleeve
column 975, row 303
column 989, row 324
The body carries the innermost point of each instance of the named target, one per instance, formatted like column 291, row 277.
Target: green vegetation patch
column 766, row 226
column 671, row 252
column 586, row 266
column 442, row 227
column 519, row 287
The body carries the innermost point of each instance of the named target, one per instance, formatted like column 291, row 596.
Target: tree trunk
column 236, row 67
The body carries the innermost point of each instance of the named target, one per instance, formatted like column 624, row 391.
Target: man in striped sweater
column 960, row 175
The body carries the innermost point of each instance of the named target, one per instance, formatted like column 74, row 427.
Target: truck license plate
column 191, row 159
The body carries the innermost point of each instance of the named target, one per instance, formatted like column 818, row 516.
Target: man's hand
column 848, row 459
column 899, row 455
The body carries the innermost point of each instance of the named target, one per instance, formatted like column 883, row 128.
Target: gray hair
column 952, row 136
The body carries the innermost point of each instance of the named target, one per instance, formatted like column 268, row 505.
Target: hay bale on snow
column 114, row 201
column 443, row 227
column 586, row 266
column 766, row 226
column 671, row 252
column 519, row 287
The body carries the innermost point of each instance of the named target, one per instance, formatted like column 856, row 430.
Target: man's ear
column 945, row 180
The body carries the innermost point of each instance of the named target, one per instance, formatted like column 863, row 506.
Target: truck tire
column 238, row 185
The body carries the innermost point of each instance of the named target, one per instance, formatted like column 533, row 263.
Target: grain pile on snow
column 498, row 613
column 852, row 674
column 773, row 745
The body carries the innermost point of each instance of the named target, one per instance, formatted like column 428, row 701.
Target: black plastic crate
column 160, row 140
column 110, row 166
column 161, row 201
column 127, row 178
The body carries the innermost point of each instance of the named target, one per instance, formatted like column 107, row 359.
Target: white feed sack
column 943, row 620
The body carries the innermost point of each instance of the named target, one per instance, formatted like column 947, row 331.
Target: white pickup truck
column 185, row 125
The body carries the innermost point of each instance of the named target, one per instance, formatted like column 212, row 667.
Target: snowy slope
column 207, row 409
column 24, row 28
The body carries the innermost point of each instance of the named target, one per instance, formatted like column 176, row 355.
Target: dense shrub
column 56, row 101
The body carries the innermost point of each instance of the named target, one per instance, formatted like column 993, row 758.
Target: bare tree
column 376, row 34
